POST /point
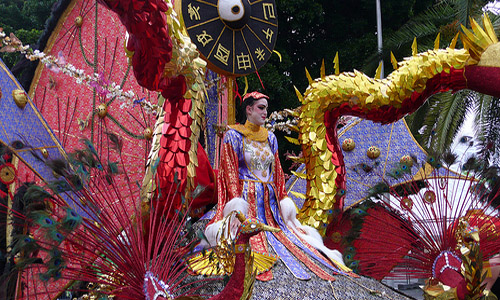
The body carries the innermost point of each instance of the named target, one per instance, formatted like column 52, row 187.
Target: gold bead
column 102, row 110
column 406, row 160
column 373, row 152
column 429, row 197
column 7, row 174
column 20, row 98
column 406, row 203
column 79, row 21
column 148, row 133
column 348, row 144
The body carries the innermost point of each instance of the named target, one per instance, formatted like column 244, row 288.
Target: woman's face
column 257, row 113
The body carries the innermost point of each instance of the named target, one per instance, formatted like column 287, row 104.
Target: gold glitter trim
column 252, row 131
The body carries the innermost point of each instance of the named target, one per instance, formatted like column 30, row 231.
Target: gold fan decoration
column 218, row 262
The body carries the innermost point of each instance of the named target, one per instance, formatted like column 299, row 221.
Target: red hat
column 255, row 95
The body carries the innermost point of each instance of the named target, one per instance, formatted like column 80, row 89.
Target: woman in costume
column 251, row 180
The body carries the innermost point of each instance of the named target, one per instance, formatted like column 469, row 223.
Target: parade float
column 112, row 169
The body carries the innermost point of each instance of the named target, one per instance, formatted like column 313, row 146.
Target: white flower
column 124, row 105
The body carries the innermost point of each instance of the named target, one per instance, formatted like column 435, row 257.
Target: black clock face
column 236, row 37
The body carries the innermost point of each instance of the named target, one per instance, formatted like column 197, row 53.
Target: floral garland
column 58, row 64
column 280, row 120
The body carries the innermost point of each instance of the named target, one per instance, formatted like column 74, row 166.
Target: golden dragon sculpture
column 476, row 67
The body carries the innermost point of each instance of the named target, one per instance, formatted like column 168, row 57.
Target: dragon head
column 481, row 43
column 483, row 70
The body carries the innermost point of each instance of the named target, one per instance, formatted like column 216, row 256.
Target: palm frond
column 482, row 109
column 426, row 24
column 444, row 17
column 495, row 20
column 452, row 117
column 439, row 122
column 427, row 124
column 489, row 131
column 415, row 120
column 466, row 9
column 425, row 27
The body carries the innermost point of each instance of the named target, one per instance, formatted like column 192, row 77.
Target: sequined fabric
column 259, row 158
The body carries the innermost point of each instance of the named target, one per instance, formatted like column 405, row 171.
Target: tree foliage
column 444, row 17
column 26, row 19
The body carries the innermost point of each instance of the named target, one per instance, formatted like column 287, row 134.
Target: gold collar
column 252, row 131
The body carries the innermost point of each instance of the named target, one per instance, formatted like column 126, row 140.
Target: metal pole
column 379, row 36
column 231, row 105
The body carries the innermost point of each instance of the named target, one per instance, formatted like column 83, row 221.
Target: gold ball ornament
column 102, row 110
column 373, row 152
column 348, row 144
column 79, row 21
column 148, row 133
column 20, row 98
column 406, row 160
